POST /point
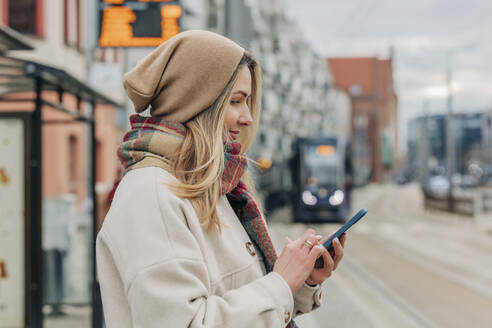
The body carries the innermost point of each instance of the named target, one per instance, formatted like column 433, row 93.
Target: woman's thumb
column 316, row 252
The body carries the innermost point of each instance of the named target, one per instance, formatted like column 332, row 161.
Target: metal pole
column 36, row 285
column 92, row 26
column 424, row 142
column 449, row 135
column 97, row 314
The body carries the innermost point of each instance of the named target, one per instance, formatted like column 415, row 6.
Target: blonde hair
column 199, row 162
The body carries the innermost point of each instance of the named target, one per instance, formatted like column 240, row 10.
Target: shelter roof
column 12, row 40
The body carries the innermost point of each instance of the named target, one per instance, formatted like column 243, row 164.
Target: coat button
column 287, row 316
column 250, row 248
column 318, row 297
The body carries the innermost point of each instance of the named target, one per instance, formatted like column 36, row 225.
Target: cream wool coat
column 159, row 268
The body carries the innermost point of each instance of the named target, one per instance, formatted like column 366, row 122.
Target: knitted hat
column 183, row 76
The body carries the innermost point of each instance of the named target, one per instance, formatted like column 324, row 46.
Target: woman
column 184, row 243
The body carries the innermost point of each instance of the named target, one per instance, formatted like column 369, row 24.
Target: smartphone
column 329, row 243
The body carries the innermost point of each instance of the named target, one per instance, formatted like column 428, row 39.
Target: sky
column 427, row 37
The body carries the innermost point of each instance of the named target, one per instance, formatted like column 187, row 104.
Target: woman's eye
column 235, row 102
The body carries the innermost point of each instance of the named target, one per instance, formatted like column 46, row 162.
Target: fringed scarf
column 151, row 141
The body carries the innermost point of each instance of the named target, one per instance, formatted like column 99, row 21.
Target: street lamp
column 450, row 147
column 424, row 148
column 449, row 134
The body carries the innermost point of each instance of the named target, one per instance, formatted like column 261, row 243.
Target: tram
column 321, row 179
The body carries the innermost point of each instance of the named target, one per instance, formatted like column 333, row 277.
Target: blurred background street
column 380, row 104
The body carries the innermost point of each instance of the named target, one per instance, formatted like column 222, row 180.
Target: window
column 213, row 15
column 26, row 16
column 262, row 139
column 71, row 23
column 355, row 90
column 73, row 164
column 99, row 162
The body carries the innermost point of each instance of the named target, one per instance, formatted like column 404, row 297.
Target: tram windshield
column 321, row 165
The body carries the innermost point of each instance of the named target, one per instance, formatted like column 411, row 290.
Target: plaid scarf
column 151, row 141
column 149, row 137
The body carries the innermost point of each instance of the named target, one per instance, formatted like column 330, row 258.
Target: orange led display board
column 325, row 150
column 138, row 23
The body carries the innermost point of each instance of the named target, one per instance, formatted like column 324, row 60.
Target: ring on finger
column 308, row 244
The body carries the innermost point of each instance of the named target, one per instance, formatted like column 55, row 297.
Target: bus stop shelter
column 27, row 90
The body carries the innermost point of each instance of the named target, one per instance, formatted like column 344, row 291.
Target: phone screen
column 329, row 243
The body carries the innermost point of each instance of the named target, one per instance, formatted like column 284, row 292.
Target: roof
column 363, row 76
column 12, row 40
column 19, row 75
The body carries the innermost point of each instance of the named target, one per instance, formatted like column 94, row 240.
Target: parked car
column 436, row 186
column 404, row 175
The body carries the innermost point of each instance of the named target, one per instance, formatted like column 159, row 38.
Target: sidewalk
column 484, row 222
column 73, row 317
column 412, row 193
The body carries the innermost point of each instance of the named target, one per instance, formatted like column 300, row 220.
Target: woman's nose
column 245, row 118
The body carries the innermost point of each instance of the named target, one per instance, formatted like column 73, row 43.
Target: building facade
column 57, row 31
column 369, row 82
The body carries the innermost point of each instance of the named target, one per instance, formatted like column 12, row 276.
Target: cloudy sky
column 426, row 35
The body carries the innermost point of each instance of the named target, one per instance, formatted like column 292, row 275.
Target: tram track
column 387, row 298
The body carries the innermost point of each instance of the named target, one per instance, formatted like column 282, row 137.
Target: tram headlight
column 337, row 198
column 308, row 198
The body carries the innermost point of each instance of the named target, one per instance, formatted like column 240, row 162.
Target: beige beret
column 184, row 75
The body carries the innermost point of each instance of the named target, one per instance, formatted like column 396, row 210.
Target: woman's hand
column 296, row 262
column 317, row 276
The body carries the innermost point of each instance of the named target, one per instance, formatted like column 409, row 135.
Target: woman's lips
column 234, row 134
